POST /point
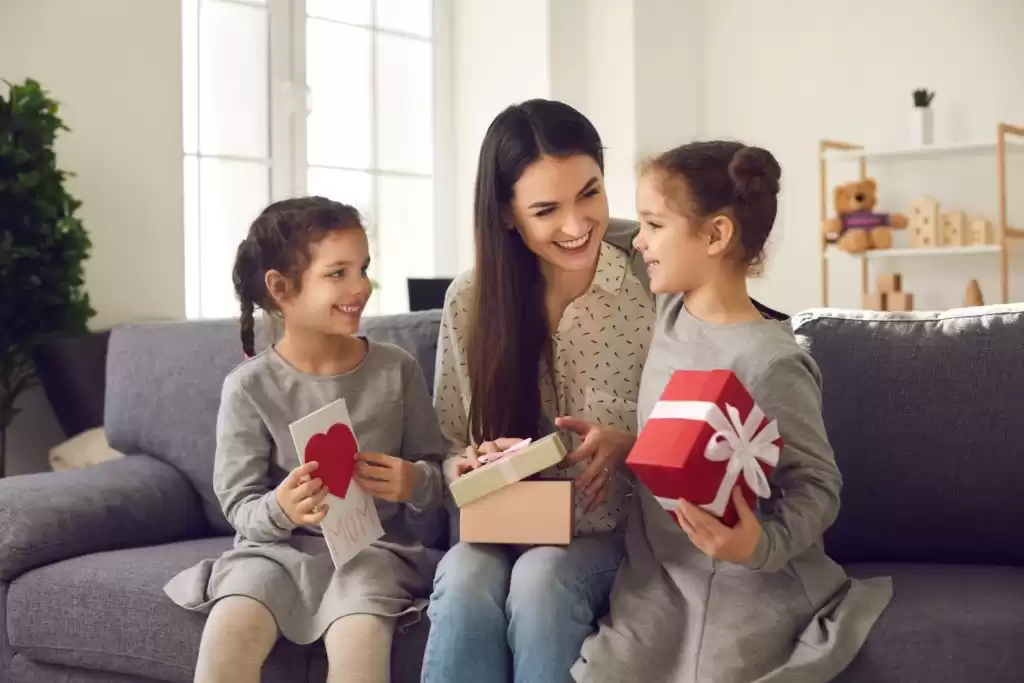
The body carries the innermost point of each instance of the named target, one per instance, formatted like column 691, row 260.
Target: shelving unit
column 878, row 254
column 833, row 150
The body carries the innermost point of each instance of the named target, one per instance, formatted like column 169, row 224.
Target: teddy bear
column 857, row 227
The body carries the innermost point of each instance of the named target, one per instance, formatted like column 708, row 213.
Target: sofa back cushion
column 164, row 382
column 924, row 413
column 71, row 369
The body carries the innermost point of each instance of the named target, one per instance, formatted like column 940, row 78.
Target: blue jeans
column 496, row 610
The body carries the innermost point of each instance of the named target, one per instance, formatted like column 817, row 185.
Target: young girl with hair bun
column 305, row 260
column 696, row 600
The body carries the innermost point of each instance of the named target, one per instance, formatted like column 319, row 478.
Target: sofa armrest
column 129, row 502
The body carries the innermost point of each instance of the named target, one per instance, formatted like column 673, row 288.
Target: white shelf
column 945, row 150
column 913, row 251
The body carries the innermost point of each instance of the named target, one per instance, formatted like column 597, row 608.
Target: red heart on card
column 335, row 453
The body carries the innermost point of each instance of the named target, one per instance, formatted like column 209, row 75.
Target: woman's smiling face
column 561, row 211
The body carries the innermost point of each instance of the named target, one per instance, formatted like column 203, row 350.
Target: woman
column 554, row 320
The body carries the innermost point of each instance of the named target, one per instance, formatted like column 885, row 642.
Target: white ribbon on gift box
column 734, row 440
column 508, row 470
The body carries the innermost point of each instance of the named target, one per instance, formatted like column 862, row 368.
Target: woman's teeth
column 349, row 309
column 576, row 243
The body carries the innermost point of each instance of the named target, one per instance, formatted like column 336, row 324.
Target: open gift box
column 704, row 436
column 527, row 512
column 514, row 465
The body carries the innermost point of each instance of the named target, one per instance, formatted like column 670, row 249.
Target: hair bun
column 755, row 171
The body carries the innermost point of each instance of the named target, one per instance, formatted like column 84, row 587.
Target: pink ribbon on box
column 491, row 457
column 505, row 466
column 734, row 440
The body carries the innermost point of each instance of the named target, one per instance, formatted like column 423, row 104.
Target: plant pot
column 921, row 126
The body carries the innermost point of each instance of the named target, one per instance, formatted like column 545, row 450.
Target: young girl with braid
column 305, row 260
column 695, row 600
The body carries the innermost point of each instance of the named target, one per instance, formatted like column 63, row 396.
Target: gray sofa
column 920, row 407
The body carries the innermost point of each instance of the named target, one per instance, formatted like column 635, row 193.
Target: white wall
column 634, row 67
column 115, row 66
column 785, row 74
column 669, row 85
column 655, row 73
column 499, row 56
column 593, row 69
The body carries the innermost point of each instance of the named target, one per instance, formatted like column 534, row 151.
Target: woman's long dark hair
column 509, row 333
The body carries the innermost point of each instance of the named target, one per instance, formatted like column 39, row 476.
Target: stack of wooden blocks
column 930, row 228
column 889, row 295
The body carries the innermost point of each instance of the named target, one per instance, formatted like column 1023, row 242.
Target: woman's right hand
column 470, row 458
column 302, row 497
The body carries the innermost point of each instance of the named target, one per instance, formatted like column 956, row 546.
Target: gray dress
column 289, row 569
column 791, row 614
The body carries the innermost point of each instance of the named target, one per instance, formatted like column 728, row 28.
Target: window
column 330, row 97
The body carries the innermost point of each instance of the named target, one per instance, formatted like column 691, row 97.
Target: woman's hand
column 716, row 540
column 470, row 459
column 387, row 477
column 301, row 497
column 605, row 448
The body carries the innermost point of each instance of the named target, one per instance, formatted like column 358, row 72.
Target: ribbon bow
column 735, row 440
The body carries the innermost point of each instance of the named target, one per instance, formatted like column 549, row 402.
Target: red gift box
column 704, row 436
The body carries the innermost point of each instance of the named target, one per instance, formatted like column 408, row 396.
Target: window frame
column 287, row 124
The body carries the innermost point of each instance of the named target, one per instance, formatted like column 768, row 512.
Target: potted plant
column 43, row 246
column 921, row 117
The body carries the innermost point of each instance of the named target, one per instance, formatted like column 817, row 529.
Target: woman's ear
column 508, row 219
column 721, row 230
column 278, row 286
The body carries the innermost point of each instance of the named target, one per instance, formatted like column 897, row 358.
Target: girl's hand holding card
column 387, row 477
column 301, row 496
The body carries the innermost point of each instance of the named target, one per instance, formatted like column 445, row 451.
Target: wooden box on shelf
column 888, row 283
column 924, row 222
column 979, row 231
column 874, row 301
column 889, row 295
column 954, row 228
column 899, row 301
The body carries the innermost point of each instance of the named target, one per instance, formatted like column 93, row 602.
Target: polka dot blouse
column 599, row 349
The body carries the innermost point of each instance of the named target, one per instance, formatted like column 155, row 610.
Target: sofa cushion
column 108, row 612
column 414, row 332
column 71, row 370
column 945, row 624
column 923, row 410
column 24, row 670
column 6, row 653
column 163, row 391
column 164, row 382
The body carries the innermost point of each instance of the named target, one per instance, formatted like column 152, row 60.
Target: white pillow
column 84, row 450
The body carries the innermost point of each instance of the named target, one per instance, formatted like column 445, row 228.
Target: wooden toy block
column 875, row 301
column 924, row 223
column 889, row 283
column 899, row 301
column 972, row 295
column 954, row 228
column 979, row 231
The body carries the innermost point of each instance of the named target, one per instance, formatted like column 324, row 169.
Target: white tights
column 240, row 632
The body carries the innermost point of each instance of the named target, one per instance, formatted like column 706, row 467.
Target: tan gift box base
column 527, row 512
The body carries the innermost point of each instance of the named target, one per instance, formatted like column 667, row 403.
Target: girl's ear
column 721, row 230
column 278, row 286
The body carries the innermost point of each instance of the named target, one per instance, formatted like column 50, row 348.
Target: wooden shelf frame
column 830, row 150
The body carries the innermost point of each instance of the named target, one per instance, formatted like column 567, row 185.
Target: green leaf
column 43, row 244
